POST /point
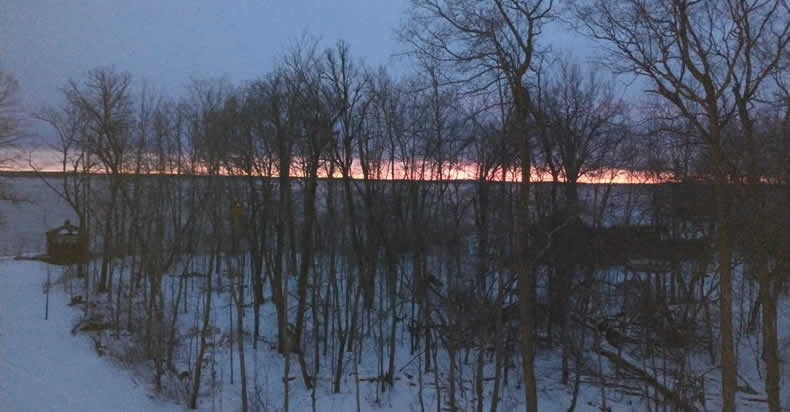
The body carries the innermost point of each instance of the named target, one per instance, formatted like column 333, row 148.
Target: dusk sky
column 46, row 42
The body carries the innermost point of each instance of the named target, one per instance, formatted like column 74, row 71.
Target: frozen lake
column 24, row 223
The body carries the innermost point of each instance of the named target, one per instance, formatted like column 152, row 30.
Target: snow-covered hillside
column 43, row 367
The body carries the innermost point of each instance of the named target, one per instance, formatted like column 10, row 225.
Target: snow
column 42, row 366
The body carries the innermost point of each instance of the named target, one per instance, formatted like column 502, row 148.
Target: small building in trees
column 67, row 244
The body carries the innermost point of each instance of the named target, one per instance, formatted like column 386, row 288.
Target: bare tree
column 205, row 111
column 489, row 40
column 255, row 159
column 9, row 110
column 316, row 123
column 580, row 127
column 765, row 30
column 347, row 96
column 696, row 56
column 75, row 163
column 584, row 124
column 9, row 127
column 105, row 101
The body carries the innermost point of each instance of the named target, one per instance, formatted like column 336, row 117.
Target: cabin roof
column 66, row 229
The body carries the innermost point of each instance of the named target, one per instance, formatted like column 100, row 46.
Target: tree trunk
column 108, row 240
column 305, row 263
column 724, row 246
column 770, row 340
column 203, row 333
column 525, row 284
column 280, row 288
column 238, row 292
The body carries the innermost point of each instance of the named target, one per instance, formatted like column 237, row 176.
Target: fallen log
column 668, row 393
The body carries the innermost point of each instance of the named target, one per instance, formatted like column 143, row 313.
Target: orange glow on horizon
column 47, row 161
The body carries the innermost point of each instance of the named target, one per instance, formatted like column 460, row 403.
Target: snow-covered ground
column 43, row 367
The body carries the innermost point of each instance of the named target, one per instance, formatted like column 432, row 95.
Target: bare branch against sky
column 46, row 42
column 43, row 43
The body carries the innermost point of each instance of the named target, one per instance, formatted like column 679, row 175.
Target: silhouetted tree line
column 329, row 189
